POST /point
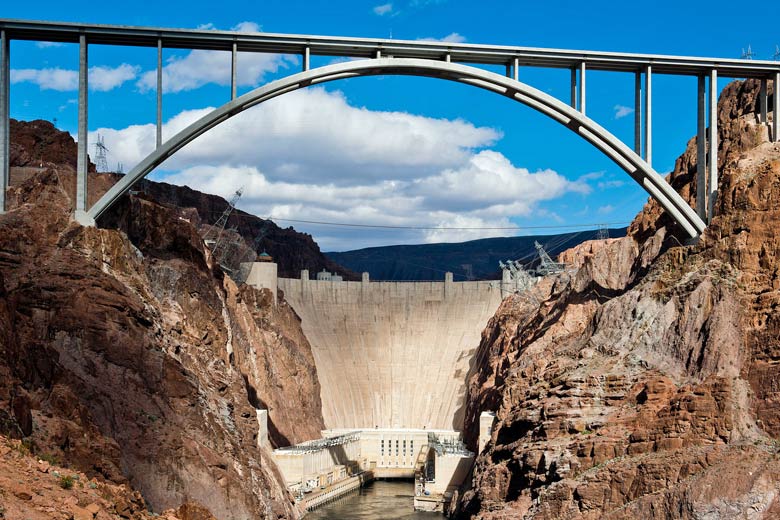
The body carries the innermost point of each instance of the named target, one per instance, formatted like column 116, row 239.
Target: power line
column 513, row 228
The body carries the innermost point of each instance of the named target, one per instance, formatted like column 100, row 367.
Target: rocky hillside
column 646, row 384
column 127, row 356
column 38, row 143
column 471, row 260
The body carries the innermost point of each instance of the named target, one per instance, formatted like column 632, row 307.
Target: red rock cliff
column 647, row 383
column 116, row 356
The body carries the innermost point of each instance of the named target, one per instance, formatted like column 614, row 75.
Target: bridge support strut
column 5, row 134
column 159, row 92
column 701, row 150
column 82, row 160
column 776, row 109
column 713, row 157
column 763, row 102
column 638, row 113
column 649, row 115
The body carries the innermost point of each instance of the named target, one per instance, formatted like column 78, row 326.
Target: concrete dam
column 392, row 360
column 392, row 354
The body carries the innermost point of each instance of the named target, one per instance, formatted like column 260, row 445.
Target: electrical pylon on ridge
column 602, row 233
column 101, row 162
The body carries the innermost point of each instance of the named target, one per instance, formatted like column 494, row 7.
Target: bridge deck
column 368, row 48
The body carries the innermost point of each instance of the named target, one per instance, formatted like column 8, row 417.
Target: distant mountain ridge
column 472, row 260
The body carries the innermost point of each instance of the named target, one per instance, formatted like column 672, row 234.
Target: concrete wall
column 262, row 275
column 392, row 354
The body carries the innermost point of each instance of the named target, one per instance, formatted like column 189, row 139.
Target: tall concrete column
column 5, row 132
column 582, row 88
column 304, row 283
column 233, row 71
column 776, row 108
column 649, row 115
column 701, row 151
column 713, row 157
column 574, row 88
column 82, row 161
column 159, row 92
column 516, row 67
column 763, row 102
column 447, row 285
column 638, row 113
column 306, row 59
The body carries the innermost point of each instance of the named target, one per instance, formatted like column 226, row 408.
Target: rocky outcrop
column 645, row 383
column 38, row 142
column 292, row 250
column 130, row 357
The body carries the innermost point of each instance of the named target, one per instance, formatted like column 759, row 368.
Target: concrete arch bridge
column 447, row 61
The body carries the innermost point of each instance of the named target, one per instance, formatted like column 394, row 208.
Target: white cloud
column 199, row 67
column 383, row 9
column 47, row 45
column 293, row 137
column 606, row 209
column 101, row 78
column 622, row 111
column 104, row 79
column 374, row 168
column 450, row 38
column 611, row 184
column 47, row 79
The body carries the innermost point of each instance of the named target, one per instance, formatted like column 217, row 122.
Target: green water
column 379, row 500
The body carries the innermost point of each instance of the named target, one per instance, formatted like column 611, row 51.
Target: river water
column 379, row 500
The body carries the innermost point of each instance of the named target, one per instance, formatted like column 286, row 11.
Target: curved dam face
column 392, row 354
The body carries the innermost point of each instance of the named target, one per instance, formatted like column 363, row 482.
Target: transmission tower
column 747, row 54
column 101, row 163
column 120, row 168
column 214, row 236
column 546, row 264
column 776, row 56
column 602, row 233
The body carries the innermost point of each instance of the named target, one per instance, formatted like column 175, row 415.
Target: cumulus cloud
column 198, row 68
column 101, row 79
column 374, row 168
column 383, row 9
column 293, row 137
column 622, row 111
column 450, row 38
column 47, row 45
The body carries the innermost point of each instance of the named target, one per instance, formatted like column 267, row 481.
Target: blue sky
column 391, row 150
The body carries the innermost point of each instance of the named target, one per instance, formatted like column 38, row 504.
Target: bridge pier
column 306, row 59
column 638, row 113
column 776, row 109
column 82, row 161
column 763, row 102
column 701, row 150
column 159, row 92
column 649, row 115
column 582, row 88
column 713, row 157
column 5, row 136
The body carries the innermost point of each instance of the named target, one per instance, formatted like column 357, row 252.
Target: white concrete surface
column 392, row 354
column 263, row 275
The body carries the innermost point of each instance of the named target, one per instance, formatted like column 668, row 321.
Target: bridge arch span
column 611, row 146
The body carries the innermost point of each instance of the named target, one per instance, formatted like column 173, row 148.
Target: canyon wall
column 646, row 384
column 128, row 356
column 392, row 354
